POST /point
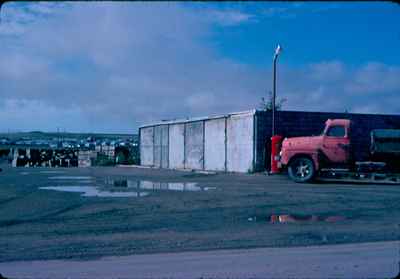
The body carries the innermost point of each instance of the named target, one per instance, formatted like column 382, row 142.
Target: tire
column 301, row 170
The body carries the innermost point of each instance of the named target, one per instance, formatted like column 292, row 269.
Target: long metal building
column 238, row 142
column 221, row 143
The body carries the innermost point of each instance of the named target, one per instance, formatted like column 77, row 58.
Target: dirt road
column 367, row 260
column 164, row 211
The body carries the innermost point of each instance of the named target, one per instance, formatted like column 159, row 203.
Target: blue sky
column 110, row 67
column 310, row 32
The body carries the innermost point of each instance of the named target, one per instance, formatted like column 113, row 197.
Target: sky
column 113, row 66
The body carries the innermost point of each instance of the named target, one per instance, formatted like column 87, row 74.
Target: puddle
column 92, row 191
column 116, row 182
column 71, row 177
column 290, row 218
column 51, row 172
column 24, row 173
column 120, row 187
column 154, row 186
column 199, row 174
column 169, row 186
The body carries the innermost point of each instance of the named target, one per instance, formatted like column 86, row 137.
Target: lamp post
column 277, row 51
column 275, row 140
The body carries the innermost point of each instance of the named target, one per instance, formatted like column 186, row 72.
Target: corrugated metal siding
column 194, row 148
column 164, row 146
column 214, row 148
column 206, row 143
column 157, row 146
column 147, row 146
column 240, row 143
column 176, row 146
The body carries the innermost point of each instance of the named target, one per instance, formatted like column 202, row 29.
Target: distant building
column 86, row 158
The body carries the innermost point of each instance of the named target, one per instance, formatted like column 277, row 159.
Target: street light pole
column 274, row 139
column 277, row 51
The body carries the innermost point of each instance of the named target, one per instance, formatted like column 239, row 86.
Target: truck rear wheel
column 301, row 169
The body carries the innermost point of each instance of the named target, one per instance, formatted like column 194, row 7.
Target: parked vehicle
column 334, row 153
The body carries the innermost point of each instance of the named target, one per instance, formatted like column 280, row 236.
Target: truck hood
column 301, row 142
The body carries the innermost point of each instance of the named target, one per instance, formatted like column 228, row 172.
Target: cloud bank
column 110, row 67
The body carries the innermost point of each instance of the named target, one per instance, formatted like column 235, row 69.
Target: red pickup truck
column 333, row 153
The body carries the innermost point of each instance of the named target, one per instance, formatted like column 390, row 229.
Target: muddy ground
column 37, row 224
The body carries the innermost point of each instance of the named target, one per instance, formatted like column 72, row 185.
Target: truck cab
column 305, row 156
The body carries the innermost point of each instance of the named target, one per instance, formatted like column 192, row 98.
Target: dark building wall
column 300, row 123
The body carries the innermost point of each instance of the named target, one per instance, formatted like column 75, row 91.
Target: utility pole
column 274, row 138
column 277, row 51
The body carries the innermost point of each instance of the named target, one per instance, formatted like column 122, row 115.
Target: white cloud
column 275, row 11
column 333, row 86
column 19, row 66
column 113, row 66
column 200, row 101
column 46, row 8
column 292, row 10
column 375, row 78
column 325, row 7
column 27, row 113
column 230, row 17
column 327, row 71
column 16, row 17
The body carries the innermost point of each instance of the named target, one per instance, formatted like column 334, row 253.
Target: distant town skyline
column 109, row 67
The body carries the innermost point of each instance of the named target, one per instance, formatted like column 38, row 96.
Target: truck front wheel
column 301, row 169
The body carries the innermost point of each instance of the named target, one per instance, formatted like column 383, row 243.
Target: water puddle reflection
column 71, row 177
column 291, row 218
column 154, row 186
column 93, row 191
column 170, row 186
column 119, row 187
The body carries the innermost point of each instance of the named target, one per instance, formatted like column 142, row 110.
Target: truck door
column 336, row 144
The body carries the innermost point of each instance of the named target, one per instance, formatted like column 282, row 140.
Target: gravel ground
column 367, row 260
column 231, row 211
